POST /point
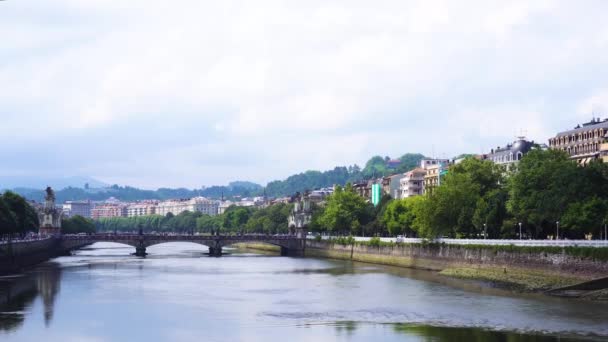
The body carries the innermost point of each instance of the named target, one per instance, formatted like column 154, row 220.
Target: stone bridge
column 291, row 245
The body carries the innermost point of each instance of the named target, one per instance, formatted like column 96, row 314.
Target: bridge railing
column 173, row 237
column 25, row 240
column 491, row 242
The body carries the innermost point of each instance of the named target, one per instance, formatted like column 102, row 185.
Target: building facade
column 412, row 183
column 508, row 156
column 108, row 211
column 432, row 178
column 391, row 184
column 73, row 208
column 141, row 209
column 584, row 143
column 427, row 163
column 196, row 204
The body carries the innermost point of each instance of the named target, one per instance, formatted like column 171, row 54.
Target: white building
column 427, row 163
column 141, row 209
column 199, row 204
column 412, row 184
column 73, row 208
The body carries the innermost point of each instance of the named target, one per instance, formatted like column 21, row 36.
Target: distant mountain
column 31, row 182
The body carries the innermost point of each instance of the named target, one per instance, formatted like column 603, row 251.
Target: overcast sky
column 191, row 92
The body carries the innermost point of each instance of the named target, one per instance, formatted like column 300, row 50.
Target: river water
column 178, row 293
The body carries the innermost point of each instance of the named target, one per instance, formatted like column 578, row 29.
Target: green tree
column 8, row 224
column 546, row 184
column 25, row 216
column 345, row 211
column 399, row 216
column 77, row 224
column 452, row 208
column 583, row 217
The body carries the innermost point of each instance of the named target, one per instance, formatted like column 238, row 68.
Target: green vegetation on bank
column 479, row 196
column 271, row 220
column 594, row 253
column 514, row 278
column 77, row 224
column 17, row 216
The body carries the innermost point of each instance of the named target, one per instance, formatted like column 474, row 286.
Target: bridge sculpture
column 291, row 244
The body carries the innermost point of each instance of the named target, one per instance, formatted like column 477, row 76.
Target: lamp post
column 485, row 231
column 520, row 230
column 557, row 233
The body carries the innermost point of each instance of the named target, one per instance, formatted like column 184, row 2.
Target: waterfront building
column 390, row 185
column 584, row 143
column 108, row 211
column 364, row 189
column 434, row 168
column 141, row 209
column 412, row 184
column 196, row 204
column 223, row 206
column 73, row 208
column 508, row 156
column 319, row 195
column 430, row 162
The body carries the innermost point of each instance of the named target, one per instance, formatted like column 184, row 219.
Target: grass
column 515, row 278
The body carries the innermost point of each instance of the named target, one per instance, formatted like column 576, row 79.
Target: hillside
column 377, row 166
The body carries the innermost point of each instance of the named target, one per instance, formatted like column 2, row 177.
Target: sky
column 186, row 93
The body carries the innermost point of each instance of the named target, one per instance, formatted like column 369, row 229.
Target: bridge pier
column 215, row 251
column 140, row 251
column 293, row 252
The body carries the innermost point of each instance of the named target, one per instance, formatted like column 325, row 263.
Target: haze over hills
column 73, row 188
column 34, row 182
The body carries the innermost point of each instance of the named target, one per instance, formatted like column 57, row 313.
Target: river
column 178, row 293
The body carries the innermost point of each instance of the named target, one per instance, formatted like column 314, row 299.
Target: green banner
column 376, row 194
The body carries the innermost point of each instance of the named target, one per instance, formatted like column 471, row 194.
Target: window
column 519, row 155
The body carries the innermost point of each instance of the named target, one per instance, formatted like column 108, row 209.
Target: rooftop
column 596, row 123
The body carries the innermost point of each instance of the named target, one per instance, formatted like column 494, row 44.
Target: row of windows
column 581, row 149
column 598, row 133
column 507, row 158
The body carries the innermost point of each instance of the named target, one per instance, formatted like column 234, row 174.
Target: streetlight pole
column 485, row 231
column 520, row 230
column 557, row 234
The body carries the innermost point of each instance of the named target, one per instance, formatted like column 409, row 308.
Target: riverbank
column 258, row 246
column 534, row 269
column 18, row 255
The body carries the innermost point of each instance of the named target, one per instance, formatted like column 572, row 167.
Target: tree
column 399, row 216
column 24, row 215
column 8, row 224
column 452, row 208
column 77, row 224
column 346, row 211
column 583, row 217
column 545, row 185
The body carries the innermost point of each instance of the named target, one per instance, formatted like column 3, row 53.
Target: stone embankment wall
column 439, row 257
column 18, row 255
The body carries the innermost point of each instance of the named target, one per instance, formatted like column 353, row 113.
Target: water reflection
column 179, row 294
column 17, row 295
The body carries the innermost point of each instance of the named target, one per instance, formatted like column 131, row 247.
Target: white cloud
column 304, row 84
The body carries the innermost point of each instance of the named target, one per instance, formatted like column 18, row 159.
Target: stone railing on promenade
column 490, row 242
column 25, row 240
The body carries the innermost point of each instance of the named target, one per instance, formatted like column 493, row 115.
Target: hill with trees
column 377, row 166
